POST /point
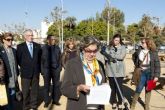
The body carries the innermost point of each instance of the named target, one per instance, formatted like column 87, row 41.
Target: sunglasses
column 91, row 51
column 9, row 40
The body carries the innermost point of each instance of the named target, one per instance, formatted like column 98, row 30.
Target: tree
column 55, row 15
column 116, row 17
column 132, row 31
column 53, row 29
column 69, row 25
column 70, row 22
column 146, row 26
column 92, row 27
column 16, row 29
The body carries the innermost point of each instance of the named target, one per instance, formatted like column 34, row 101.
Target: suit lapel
column 34, row 50
column 26, row 50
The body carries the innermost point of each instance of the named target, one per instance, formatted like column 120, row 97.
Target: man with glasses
column 28, row 54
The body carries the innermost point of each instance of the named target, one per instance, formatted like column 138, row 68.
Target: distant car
column 162, row 48
column 129, row 48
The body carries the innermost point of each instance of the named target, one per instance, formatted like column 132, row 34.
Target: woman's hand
column 83, row 87
column 155, row 79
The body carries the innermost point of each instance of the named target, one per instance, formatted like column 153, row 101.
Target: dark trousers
column 115, row 90
column 30, row 92
column 56, row 93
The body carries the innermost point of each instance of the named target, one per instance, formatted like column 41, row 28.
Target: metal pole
column 118, row 87
column 92, row 26
column 108, row 6
column 114, row 23
column 62, row 33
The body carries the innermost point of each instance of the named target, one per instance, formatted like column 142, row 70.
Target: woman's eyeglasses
column 91, row 51
column 9, row 40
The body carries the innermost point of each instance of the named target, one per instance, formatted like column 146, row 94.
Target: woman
column 81, row 73
column 150, row 69
column 70, row 51
column 116, row 68
column 8, row 55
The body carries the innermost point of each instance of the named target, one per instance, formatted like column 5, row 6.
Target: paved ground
column 157, row 101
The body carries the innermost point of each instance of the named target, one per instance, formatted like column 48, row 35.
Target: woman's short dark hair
column 87, row 41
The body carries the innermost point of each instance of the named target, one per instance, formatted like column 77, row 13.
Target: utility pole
column 114, row 23
column 92, row 26
column 108, row 6
column 62, row 33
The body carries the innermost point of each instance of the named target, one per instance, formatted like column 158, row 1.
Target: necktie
column 31, row 49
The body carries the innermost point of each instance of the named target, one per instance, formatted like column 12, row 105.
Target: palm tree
column 70, row 22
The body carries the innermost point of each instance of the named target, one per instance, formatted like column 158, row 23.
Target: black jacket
column 4, row 57
column 50, row 59
column 29, row 66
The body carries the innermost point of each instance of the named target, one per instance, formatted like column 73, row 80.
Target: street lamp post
column 114, row 23
column 62, row 30
column 108, row 5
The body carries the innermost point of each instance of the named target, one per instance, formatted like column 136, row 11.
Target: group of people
column 28, row 60
column 85, row 71
column 82, row 70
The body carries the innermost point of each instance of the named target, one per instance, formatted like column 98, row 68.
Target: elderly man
column 28, row 54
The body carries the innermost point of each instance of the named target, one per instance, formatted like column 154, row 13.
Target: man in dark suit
column 51, row 67
column 28, row 54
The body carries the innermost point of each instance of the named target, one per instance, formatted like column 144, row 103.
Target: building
column 44, row 28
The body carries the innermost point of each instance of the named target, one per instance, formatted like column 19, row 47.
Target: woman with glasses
column 116, row 53
column 70, row 51
column 81, row 73
column 149, row 63
column 8, row 55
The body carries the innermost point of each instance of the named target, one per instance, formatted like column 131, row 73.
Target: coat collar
column 80, row 74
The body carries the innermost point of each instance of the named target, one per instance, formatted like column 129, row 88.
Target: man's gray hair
column 27, row 30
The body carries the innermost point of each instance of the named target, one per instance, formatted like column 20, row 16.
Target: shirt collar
column 28, row 43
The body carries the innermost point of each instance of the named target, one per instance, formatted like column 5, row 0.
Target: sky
column 32, row 12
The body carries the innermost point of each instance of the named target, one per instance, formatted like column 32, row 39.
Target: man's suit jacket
column 73, row 76
column 29, row 66
column 4, row 57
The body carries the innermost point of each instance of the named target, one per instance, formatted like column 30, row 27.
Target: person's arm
column 156, row 66
column 121, row 55
column 43, row 59
column 63, row 59
column 19, row 55
column 2, row 72
column 59, row 60
column 68, row 89
column 106, row 55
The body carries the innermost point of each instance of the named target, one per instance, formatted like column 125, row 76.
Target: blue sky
column 13, row 11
